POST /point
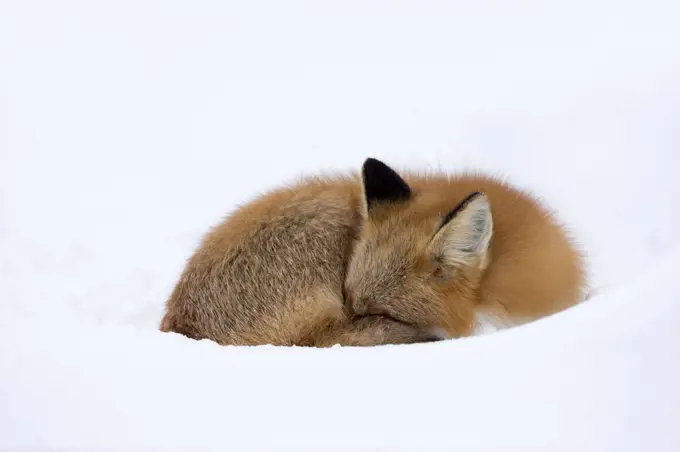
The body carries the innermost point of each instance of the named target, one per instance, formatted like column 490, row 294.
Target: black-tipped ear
column 382, row 184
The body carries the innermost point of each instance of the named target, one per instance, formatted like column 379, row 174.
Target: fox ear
column 465, row 235
column 382, row 184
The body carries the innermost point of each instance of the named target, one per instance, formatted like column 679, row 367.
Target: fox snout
column 359, row 310
column 428, row 337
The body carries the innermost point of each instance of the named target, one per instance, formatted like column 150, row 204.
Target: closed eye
column 432, row 335
column 385, row 315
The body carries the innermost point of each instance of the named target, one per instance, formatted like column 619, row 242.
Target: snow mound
column 601, row 376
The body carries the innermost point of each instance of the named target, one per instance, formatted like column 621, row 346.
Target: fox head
column 415, row 262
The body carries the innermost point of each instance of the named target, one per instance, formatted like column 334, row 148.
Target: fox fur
column 376, row 258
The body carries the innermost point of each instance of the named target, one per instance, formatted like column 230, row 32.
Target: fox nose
column 434, row 335
column 431, row 338
column 439, row 333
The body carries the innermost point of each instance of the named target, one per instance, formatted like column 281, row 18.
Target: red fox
column 376, row 258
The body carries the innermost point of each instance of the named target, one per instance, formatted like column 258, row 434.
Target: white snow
column 128, row 128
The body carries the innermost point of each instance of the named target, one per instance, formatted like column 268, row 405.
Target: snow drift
column 601, row 376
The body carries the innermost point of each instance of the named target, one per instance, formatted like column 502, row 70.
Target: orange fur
column 311, row 264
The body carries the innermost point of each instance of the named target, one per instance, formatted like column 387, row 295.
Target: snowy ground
column 129, row 127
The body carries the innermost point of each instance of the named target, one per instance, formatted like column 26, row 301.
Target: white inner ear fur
column 465, row 239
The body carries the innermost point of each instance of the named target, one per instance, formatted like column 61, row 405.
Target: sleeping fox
column 376, row 258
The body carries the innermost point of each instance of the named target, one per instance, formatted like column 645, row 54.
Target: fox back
column 374, row 259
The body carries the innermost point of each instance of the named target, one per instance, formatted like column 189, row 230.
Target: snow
column 128, row 128
column 601, row 377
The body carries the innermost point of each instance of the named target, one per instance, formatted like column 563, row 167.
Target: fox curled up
column 376, row 258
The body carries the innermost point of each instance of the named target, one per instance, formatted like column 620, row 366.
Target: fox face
column 413, row 262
